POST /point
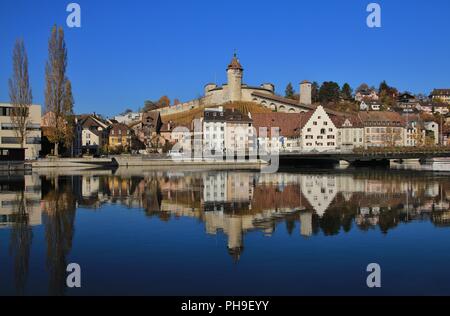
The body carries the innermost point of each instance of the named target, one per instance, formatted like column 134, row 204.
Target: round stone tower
column 234, row 75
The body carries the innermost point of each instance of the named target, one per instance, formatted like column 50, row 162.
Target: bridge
column 369, row 156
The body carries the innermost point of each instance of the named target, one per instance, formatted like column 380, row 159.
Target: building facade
column 227, row 131
column 350, row 132
column 383, row 129
column 93, row 133
column 9, row 137
column 319, row 132
column 441, row 95
column 119, row 137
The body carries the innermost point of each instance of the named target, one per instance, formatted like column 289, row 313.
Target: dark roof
column 440, row 92
column 366, row 91
column 228, row 115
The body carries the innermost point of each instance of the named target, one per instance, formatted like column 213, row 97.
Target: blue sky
column 128, row 51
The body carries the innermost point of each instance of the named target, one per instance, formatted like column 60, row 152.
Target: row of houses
column 94, row 134
column 408, row 103
column 230, row 131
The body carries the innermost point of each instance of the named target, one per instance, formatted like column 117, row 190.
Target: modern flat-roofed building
column 8, row 131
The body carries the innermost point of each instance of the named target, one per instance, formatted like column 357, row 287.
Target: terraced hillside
column 187, row 117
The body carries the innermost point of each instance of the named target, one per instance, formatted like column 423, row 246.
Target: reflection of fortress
column 238, row 202
column 234, row 203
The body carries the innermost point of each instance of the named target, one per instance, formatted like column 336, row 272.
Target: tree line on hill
column 331, row 94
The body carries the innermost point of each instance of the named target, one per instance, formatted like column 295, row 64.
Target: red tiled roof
column 354, row 120
column 290, row 124
column 381, row 118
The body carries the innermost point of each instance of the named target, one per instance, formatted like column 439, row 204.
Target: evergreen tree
column 289, row 92
column 329, row 92
column 346, row 92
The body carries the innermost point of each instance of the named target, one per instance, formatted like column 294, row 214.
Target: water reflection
column 230, row 203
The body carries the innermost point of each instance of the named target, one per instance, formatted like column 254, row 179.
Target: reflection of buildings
column 235, row 203
column 17, row 194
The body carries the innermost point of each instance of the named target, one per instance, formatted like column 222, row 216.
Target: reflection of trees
column 59, row 231
column 20, row 243
column 389, row 218
column 151, row 199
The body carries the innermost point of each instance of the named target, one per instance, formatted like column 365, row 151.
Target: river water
column 307, row 231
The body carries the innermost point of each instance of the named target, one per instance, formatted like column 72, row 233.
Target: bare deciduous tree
column 58, row 91
column 20, row 92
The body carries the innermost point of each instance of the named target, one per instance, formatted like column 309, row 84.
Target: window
column 322, row 131
column 315, row 123
column 8, row 126
column 34, row 127
column 308, row 130
column 10, row 140
column 330, row 130
column 325, row 123
column 33, row 140
column 5, row 111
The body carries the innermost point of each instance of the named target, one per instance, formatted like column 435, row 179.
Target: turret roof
column 235, row 64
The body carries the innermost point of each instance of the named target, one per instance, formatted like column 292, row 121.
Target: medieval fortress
column 237, row 91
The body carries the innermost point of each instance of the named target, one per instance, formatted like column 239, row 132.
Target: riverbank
column 13, row 166
column 115, row 162
column 216, row 164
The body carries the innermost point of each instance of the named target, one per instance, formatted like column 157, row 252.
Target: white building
column 350, row 133
column 8, row 131
column 433, row 127
column 214, row 130
column 318, row 132
column 128, row 118
column 94, row 133
column 227, row 132
column 370, row 105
